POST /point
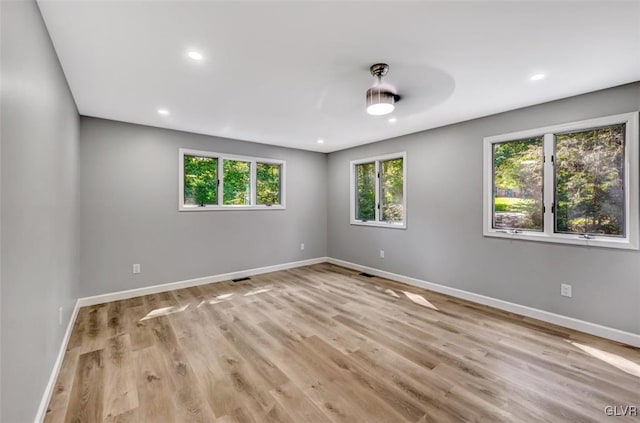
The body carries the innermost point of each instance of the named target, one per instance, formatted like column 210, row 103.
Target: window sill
column 601, row 242
column 380, row 224
column 227, row 208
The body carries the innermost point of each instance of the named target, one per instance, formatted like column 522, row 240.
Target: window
column 366, row 192
column 517, row 184
column 589, row 175
column 269, row 180
column 213, row 181
column 236, row 186
column 575, row 183
column 200, row 181
column 378, row 191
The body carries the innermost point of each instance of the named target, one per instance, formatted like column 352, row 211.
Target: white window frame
column 631, row 167
column 352, row 196
column 221, row 157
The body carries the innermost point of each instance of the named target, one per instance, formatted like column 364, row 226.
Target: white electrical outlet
column 136, row 268
column 565, row 290
column 381, row 253
column 302, row 247
column 60, row 316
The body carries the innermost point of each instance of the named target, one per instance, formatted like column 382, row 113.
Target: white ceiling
column 288, row 73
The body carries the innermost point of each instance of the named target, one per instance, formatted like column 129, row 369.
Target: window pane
column 268, row 183
column 391, row 191
column 590, row 181
column 366, row 191
column 200, row 180
column 517, row 184
column 237, row 182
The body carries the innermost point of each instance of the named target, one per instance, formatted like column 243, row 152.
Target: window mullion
column 220, row 180
column 377, row 196
column 549, row 185
column 254, row 183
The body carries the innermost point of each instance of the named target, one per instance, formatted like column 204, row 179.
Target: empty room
column 319, row 211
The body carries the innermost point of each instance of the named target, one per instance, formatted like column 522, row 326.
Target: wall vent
column 240, row 279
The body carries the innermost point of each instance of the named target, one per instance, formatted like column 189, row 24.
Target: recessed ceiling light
column 537, row 77
column 320, row 141
column 195, row 55
column 163, row 112
column 393, row 120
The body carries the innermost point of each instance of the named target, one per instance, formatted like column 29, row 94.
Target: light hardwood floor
column 323, row 344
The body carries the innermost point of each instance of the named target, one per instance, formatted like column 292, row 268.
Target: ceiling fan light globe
column 380, row 109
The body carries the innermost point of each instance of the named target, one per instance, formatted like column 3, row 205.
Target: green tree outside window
column 268, row 183
column 237, row 182
column 366, row 191
column 200, row 180
column 590, row 181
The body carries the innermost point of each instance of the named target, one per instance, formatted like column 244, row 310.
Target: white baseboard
column 154, row 289
column 48, row 392
column 546, row 316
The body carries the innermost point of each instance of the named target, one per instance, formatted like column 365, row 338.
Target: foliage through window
column 237, row 182
column 378, row 191
column 575, row 183
column 517, row 184
column 200, row 180
column 268, row 180
column 212, row 181
column 590, row 181
column 366, row 191
column 392, row 192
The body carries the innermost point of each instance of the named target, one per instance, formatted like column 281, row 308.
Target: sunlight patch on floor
column 420, row 300
column 212, row 302
column 257, row 291
column 164, row 311
column 615, row 360
column 392, row 293
column 219, row 299
column 224, row 296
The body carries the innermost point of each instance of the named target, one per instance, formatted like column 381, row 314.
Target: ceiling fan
column 381, row 98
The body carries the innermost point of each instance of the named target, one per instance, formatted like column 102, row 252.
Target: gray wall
column 443, row 242
column 129, row 210
column 39, row 208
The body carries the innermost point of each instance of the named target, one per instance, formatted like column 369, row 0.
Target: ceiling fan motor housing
column 380, row 95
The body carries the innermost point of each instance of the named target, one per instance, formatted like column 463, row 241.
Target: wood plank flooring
column 323, row 344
